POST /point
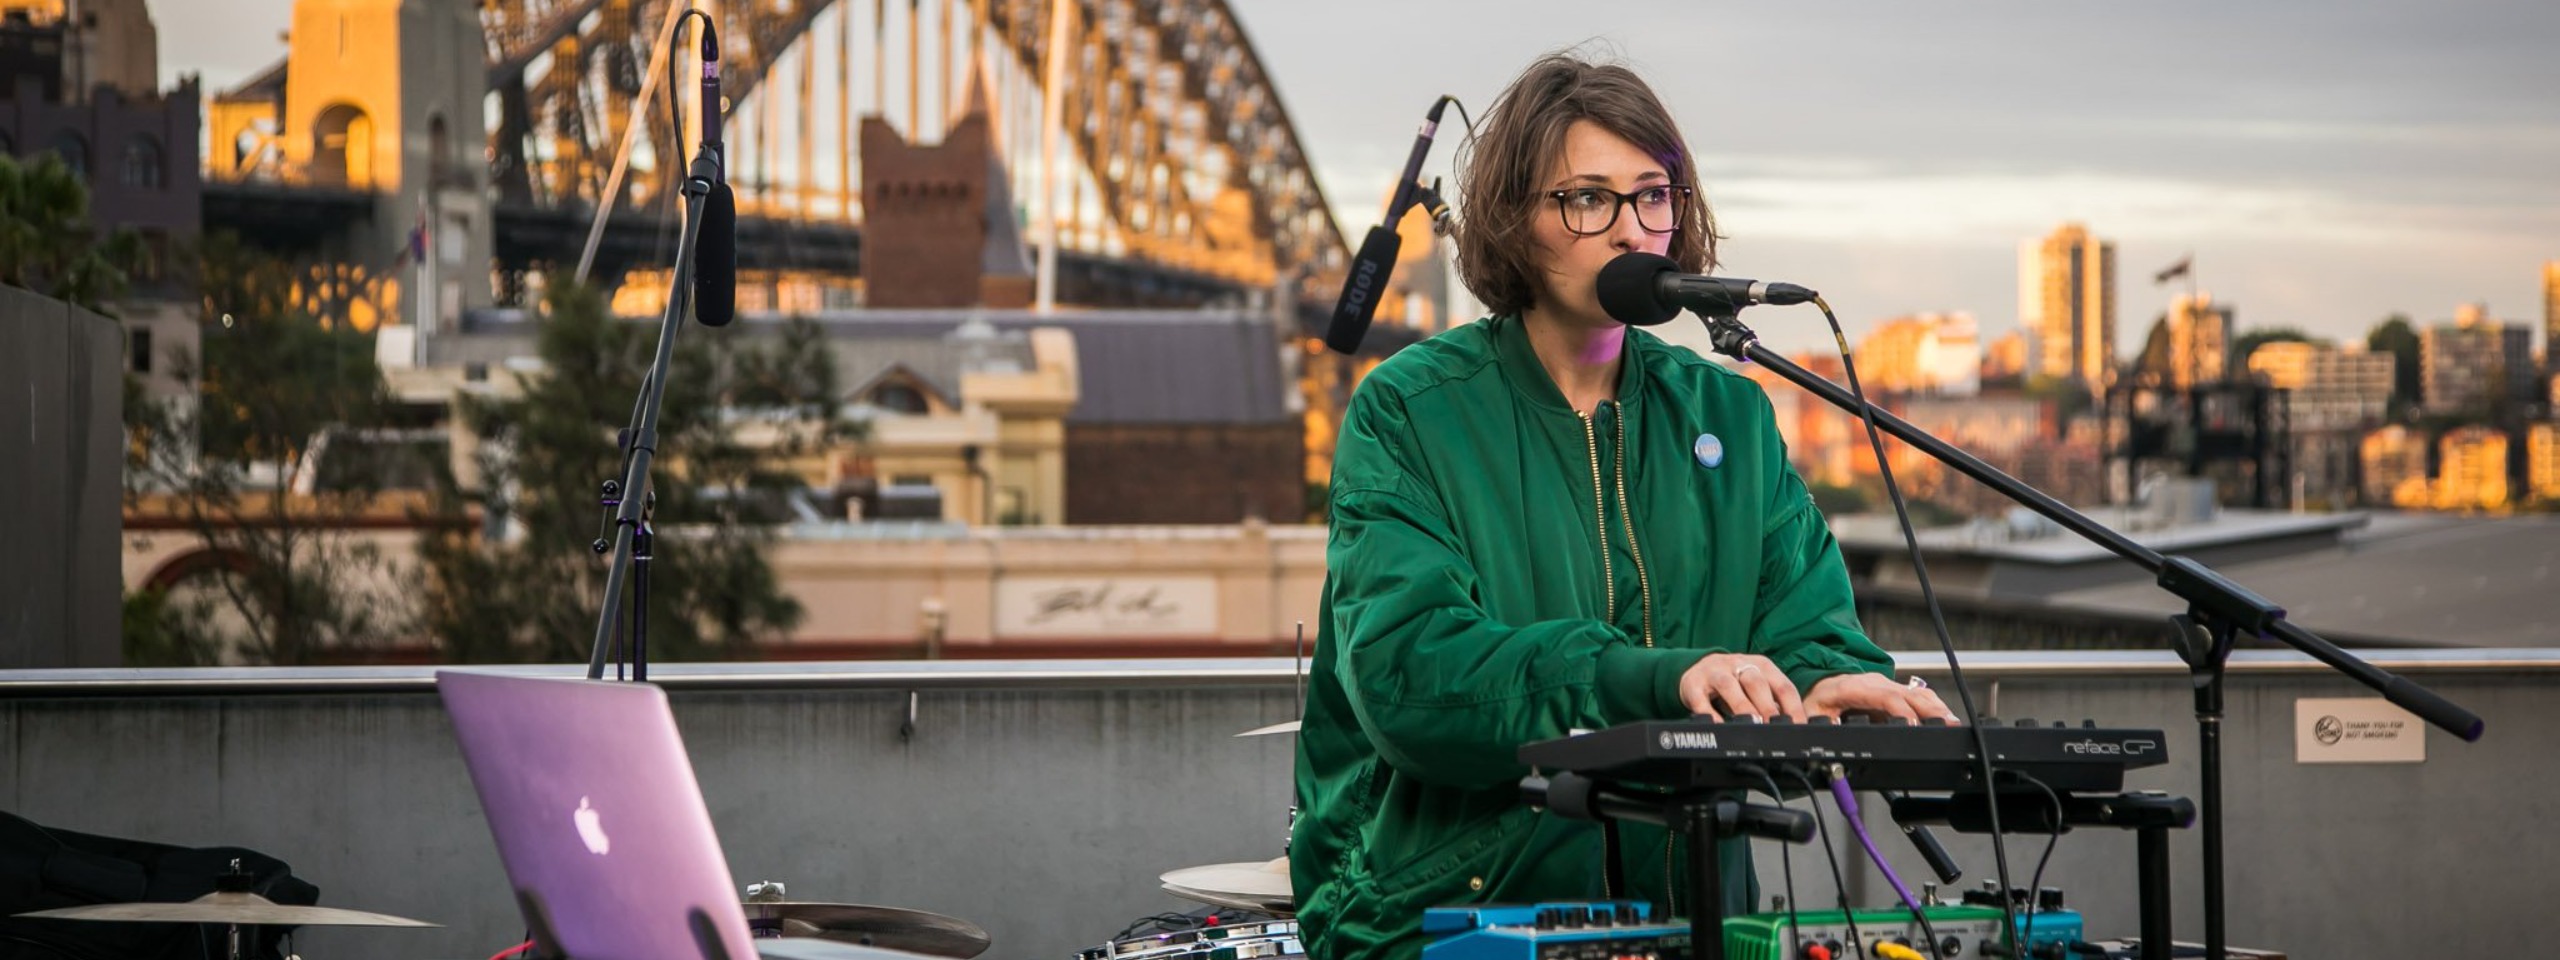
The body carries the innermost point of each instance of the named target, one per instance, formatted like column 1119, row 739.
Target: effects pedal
column 1553, row 931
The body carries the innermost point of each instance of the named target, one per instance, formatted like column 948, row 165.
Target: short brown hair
column 1506, row 159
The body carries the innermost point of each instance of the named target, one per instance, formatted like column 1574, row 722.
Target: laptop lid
column 597, row 815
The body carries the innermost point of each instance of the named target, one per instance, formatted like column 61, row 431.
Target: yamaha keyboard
column 1898, row 755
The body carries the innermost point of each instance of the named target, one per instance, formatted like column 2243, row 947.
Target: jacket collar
column 1529, row 378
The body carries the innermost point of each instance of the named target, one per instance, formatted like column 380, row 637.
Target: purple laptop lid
column 597, row 815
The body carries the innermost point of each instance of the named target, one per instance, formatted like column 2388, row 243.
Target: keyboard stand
column 1705, row 816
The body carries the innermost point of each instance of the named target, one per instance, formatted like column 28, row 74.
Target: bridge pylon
column 383, row 99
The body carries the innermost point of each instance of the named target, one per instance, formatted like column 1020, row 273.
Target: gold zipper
column 1644, row 584
column 1600, row 522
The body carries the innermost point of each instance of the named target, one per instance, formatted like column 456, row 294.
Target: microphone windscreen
column 1360, row 291
column 715, row 269
column 1628, row 289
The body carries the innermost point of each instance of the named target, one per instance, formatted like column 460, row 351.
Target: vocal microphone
column 1377, row 257
column 715, row 271
column 1643, row 289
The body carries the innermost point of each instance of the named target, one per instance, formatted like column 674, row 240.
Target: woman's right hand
column 1735, row 686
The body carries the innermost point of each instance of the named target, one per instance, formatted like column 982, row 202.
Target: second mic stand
column 632, row 495
column 2149, row 815
column 2218, row 609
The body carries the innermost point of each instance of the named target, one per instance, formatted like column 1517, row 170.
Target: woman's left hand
column 1875, row 693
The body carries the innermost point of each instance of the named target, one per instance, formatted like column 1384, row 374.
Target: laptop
column 601, row 824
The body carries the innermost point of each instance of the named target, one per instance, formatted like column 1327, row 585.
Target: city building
column 2551, row 317
column 2199, row 340
column 2394, row 459
column 2286, row 364
column 108, row 43
column 2474, row 362
column 2474, row 471
column 1939, row 353
column 85, row 92
column 2067, row 304
column 2542, row 462
column 2004, row 359
column 2329, row 387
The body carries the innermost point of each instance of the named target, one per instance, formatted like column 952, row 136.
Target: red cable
column 512, row 951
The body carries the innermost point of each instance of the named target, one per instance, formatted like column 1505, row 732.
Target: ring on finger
column 1745, row 668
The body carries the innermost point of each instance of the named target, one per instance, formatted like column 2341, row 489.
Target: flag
column 418, row 235
column 2175, row 270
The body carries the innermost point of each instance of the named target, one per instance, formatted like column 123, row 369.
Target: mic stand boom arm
column 2218, row 609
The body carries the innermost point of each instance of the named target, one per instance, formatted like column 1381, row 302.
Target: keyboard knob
column 1781, row 718
column 1987, row 722
column 1896, row 722
column 2023, row 722
column 1821, row 720
column 2089, row 724
column 1933, row 721
column 1857, row 719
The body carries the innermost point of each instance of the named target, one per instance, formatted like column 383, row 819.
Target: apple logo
column 591, row 828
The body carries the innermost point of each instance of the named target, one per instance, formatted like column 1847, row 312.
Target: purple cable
column 1849, row 809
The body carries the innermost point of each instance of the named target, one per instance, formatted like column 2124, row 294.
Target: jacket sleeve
column 1445, row 693
column 1806, row 617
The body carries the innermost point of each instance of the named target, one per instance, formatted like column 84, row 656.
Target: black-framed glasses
column 1590, row 211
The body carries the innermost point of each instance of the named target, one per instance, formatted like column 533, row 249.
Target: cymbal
column 804, row 948
column 1262, row 886
column 1289, row 727
column 246, row 909
column 894, row 928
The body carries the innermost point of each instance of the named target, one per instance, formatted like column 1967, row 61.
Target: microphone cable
column 1937, row 622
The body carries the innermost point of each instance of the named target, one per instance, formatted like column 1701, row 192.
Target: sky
column 2326, row 162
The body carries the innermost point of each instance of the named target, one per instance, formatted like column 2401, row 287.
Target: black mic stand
column 631, row 495
column 2218, row 609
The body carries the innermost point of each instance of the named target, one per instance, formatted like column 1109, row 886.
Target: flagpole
column 426, row 281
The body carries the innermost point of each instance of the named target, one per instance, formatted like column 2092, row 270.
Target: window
column 900, row 397
column 137, row 348
column 439, row 152
column 143, row 165
column 74, row 151
column 342, row 147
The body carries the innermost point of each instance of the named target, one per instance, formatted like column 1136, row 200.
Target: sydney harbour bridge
column 1174, row 175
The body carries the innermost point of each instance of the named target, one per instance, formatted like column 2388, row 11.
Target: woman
column 1544, row 521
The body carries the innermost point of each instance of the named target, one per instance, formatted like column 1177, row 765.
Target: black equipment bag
column 45, row 869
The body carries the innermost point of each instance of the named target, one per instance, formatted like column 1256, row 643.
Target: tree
column 47, row 243
column 240, row 467
column 524, row 584
column 2396, row 337
column 2154, row 365
column 2248, row 343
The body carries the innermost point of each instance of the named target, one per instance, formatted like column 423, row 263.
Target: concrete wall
column 1041, row 800
column 61, row 473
